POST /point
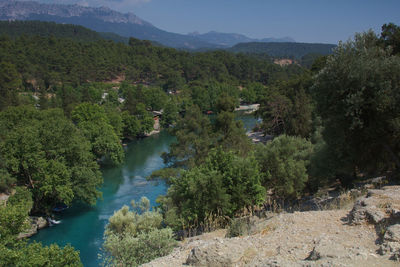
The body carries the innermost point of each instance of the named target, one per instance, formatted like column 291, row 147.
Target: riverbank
column 248, row 109
column 35, row 222
column 259, row 137
column 83, row 226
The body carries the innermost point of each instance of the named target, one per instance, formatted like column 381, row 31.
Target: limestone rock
column 36, row 223
column 392, row 233
column 324, row 238
column 378, row 206
column 41, row 223
column 218, row 253
column 391, row 242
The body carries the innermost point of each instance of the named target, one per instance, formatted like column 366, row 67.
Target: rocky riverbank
column 36, row 223
column 368, row 234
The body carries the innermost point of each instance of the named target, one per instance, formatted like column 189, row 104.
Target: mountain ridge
column 25, row 8
column 100, row 19
column 231, row 39
column 104, row 19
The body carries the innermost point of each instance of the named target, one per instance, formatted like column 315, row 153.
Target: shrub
column 239, row 227
column 284, row 162
column 132, row 239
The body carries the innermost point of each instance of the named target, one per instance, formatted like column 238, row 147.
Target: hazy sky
column 326, row 21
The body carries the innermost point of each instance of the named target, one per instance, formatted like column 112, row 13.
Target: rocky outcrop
column 366, row 235
column 379, row 206
column 391, row 242
column 219, row 253
column 36, row 223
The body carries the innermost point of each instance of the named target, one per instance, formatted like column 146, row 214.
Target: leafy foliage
column 46, row 152
column 94, row 123
column 37, row 255
column 287, row 108
column 358, row 100
column 10, row 82
column 223, row 186
column 132, row 239
column 193, row 134
column 14, row 252
column 390, row 37
column 284, row 163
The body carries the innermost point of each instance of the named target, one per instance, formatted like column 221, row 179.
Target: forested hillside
column 17, row 28
column 85, row 57
column 290, row 50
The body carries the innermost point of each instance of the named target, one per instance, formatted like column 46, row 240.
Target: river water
column 82, row 226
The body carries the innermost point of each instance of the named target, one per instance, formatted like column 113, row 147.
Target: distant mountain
column 17, row 28
column 231, row 39
column 286, row 39
column 100, row 19
column 291, row 50
column 105, row 20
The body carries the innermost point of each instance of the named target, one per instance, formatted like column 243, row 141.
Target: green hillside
column 44, row 29
column 291, row 50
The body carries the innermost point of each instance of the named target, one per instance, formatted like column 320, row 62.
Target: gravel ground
column 312, row 238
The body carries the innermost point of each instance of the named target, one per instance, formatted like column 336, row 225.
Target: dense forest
column 66, row 104
column 291, row 50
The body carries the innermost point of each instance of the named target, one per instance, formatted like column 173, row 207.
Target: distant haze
column 305, row 21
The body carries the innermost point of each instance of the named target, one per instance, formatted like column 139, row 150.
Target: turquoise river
column 82, row 226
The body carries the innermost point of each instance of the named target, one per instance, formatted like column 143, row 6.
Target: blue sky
column 326, row 21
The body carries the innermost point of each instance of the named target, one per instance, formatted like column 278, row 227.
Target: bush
column 132, row 239
column 205, row 197
column 284, row 162
column 239, row 227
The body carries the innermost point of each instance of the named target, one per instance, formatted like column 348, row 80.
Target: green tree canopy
column 10, row 83
column 358, row 99
column 13, row 252
column 193, row 133
column 92, row 120
column 46, row 152
column 390, row 37
column 284, row 162
column 203, row 196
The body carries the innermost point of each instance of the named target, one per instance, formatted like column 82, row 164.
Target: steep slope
column 100, row 19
